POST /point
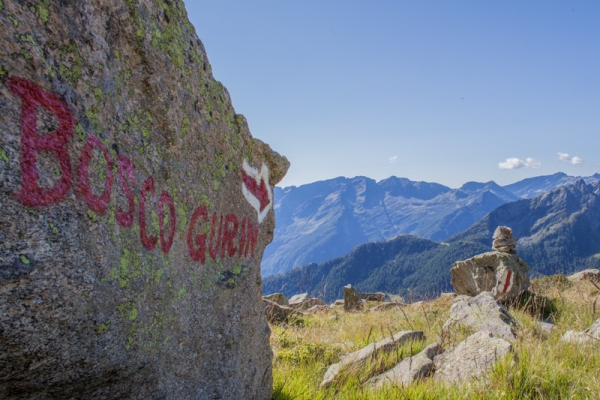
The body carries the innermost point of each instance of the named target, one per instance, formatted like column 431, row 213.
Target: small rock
column 304, row 301
column 318, row 308
column 276, row 313
column 298, row 299
column 384, row 306
column 546, row 327
column 409, row 370
column 278, row 298
column 473, row 357
column 483, row 313
column 590, row 335
column 358, row 357
column 351, row 299
column 592, row 275
column 339, row 302
column 373, row 296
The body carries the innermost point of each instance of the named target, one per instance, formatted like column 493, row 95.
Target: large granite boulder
column 471, row 358
column 409, row 370
column 505, row 275
column 357, row 358
column 483, row 312
column 136, row 206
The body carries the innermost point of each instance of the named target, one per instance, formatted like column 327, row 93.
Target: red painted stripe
column 507, row 283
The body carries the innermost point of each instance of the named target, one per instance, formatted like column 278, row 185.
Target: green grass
column 540, row 366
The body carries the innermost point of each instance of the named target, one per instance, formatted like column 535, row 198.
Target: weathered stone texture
column 483, row 312
column 135, row 208
column 589, row 336
column 471, row 358
column 409, row 370
column 359, row 357
column 505, row 275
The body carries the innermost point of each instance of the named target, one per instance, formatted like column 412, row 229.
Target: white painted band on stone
column 258, row 176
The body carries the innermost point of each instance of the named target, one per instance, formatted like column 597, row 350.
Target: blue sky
column 439, row 91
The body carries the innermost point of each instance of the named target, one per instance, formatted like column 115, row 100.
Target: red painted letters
column 149, row 242
column 165, row 199
column 32, row 143
column 197, row 254
column 125, row 219
column 224, row 229
column 96, row 203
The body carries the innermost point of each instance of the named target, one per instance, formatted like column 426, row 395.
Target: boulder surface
column 136, row 207
column 471, row 358
column 483, row 312
column 410, row 369
column 357, row 358
column 505, row 275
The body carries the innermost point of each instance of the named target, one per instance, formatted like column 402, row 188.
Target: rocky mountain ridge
column 559, row 231
column 326, row 219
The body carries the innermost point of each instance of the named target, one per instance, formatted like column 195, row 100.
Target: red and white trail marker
column 256, row 189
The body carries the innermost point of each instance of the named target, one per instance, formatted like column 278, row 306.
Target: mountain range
column 559, row 231
column 326, row 219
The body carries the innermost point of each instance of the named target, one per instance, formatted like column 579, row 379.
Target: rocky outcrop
column 304, row 301
column 277, row 313
column 471, row 358
column 352, row 299
column 483, row 313
column 278, row 298
column 409, row 370
column 589, row 336
column 359, row 357
column 135, row 209
column 592, row 275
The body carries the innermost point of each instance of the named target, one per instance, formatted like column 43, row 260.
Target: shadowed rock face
column 135, row 209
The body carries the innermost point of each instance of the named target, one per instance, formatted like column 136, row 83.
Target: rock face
column 504, row 275
column 352, row 299
column 136, row 207
column 304, row 301
column 592, row 275
column 277, row 313
column 589, row 336
column 358, row 357
column 483, row 313
column 278, row 298
column 409, row 370
column 471, row 358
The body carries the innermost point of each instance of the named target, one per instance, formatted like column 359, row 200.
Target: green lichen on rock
column 43, row 12
column 98, row 93
column 3, row 155
column 71, row 68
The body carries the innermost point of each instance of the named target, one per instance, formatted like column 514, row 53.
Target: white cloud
column 516, row 163
column 565, row 157
column 393, row 159
column 577, row 160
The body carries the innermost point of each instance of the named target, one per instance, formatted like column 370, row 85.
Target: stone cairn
column 503, row 240
column 500, row 272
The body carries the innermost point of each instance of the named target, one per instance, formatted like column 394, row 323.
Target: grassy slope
column 540, row 367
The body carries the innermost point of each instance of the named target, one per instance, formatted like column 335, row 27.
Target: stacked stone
column 503, row 240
